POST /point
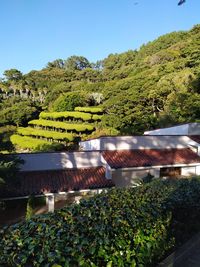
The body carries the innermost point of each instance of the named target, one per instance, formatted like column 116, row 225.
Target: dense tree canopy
column 69, row 101
column 157, row 85
column 13, row 75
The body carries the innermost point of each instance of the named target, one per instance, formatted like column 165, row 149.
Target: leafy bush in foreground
column 124, row 227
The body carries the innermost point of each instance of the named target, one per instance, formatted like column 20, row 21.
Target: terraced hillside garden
column 152, row 87
column 57, row 130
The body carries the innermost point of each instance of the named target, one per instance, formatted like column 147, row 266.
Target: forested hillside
column 158, row 85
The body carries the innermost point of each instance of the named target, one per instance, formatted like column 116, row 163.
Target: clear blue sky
column 34, row 32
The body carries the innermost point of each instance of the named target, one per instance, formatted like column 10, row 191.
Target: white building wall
column 108, row 173
column 59, row 161
column 198, row 150
column 188, row 171
column 175, row 130
column 194, row 129
column 197, row 170
column 127, row 178
column 139, row 142
column 155, row 172
column 185, row 129
column 93, row 144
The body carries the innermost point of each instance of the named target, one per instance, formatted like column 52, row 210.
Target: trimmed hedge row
column 66, row 115
column 63, row 125
column 70, row 115
column 28, row 131
column 89, row 109
column 34, row 144
column 124, row 227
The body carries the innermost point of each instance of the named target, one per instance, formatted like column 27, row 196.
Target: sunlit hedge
column 89, row 109
column 26, row 142
column 96, row 117
column 124, row 227
column 29, row 131
column 73, row 115
column 66, row 115
column 62, row 125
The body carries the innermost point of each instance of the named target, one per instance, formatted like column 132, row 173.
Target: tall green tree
column 13, row 75
column 69, row 101
column 58, row 63
column 77, row 63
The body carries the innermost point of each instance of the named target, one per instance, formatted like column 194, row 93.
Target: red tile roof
column 40, row 182
column 195, row 138
column 149, row 157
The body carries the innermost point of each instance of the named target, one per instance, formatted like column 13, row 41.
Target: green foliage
column 70, row 115
column 28, row 131
column 5, row 133
column 69, row 101
column 58, row 63
column 34, row 144
column 9, row 168
column 32, row 203
column 30, row 208
column 124, row 227
column 66, row 115
column 89, row 109
column 62, row 125
column 96, row 117
column 13, row 75
column 77, row 63
column 18, row 114
column 135, row 88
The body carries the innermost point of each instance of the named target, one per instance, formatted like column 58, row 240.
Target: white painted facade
column 188, row 171
column 185, row 129
column 59, row 161
column 126, row 177
column 137, row 142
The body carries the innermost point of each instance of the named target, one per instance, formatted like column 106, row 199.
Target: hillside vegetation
column 158, row 85
column 57, row 130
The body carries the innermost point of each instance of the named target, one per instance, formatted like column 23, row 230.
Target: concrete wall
column 188, row 171
column 185, row 129
column 93, row 144
column 59, row 161
column 197, row 170
column 138, row 142
column 108, row 173
column 194, row 129
column 175, row 130
column 127, row 178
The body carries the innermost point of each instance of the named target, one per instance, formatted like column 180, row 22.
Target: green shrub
column 69, row 101
column 28, row 131
column 124, row 227
column 66, row 115
column 62, row 125
column 89, row 109
column 96, row 117
column 30, row 208
column 26, row 142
